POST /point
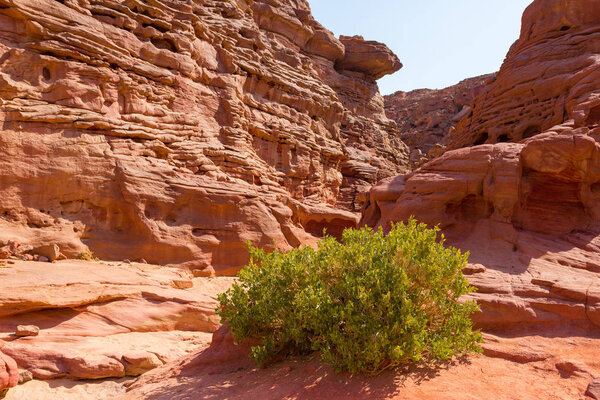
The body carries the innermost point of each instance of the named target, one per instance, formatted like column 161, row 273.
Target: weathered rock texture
column 527, row 368
column 425, row 117
column 549, row 76
column 529, row 212
column 99, row 320
column 9, row 374
column 175, row 131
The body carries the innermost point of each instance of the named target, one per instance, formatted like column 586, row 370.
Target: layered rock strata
column 529, row 212
column 176, row 131
column 549, row 77
column 101, row 320
column 426, row 117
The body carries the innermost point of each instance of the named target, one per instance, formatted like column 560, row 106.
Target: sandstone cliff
column 426, row 117
column 529, row 211
column 549, row 77
column 175, row 131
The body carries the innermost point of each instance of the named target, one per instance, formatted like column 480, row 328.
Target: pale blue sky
column 440, row 42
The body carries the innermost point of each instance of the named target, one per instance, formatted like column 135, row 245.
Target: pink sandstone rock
column 513, row 208
column 528, row 212
column 177, row 131
column 9, row 373
column 101, row 320
column 593, row 389
column 425, row 117
column 547, row 79
column 27, row 330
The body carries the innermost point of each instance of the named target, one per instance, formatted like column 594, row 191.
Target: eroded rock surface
column 176, row 131
column 528, row 215
column 9, row 373
column 549, row 77
column 99, row 320
column 525, row 367
column 425, row 117
column 529, row 211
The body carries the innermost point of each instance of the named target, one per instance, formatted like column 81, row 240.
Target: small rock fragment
column 5, row 252
column 50, row 251
column 471, row 269
column 27, row 330
column 593, row 389
column 207, row 272
column 183, row 283
column 136, row 363
column 24, row 376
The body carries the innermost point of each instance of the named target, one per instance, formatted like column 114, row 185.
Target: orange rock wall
column 175, row 131
column 549, row 76
column 528, row 211
column 427, row 117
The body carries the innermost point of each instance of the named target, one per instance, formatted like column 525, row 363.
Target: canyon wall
column 426, row 117
column 529, row 210
column 549, row 76
column 175, row 131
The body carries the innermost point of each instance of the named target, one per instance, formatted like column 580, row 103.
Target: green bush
column 369, row 303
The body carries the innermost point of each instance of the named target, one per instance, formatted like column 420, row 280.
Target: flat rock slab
column 98, row 320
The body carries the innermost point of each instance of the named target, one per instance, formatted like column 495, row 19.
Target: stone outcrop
column 370, row 58
column 426, row 117
column 102, row 320
column 529, row 212
column 176, row 131
column 549, row 77
column 9, row 374
column 526, row 206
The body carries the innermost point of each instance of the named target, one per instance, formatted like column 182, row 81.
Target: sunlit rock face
column 175, row 131
column 521, row 189
column 427, row 117
column 549, row 77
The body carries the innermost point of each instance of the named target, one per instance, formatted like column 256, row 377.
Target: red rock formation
column 9, row 374
column 99, row 320
column 426, row 116
column 549, row 77
column 176, row 131
column 528, row 212
column 367, row 57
